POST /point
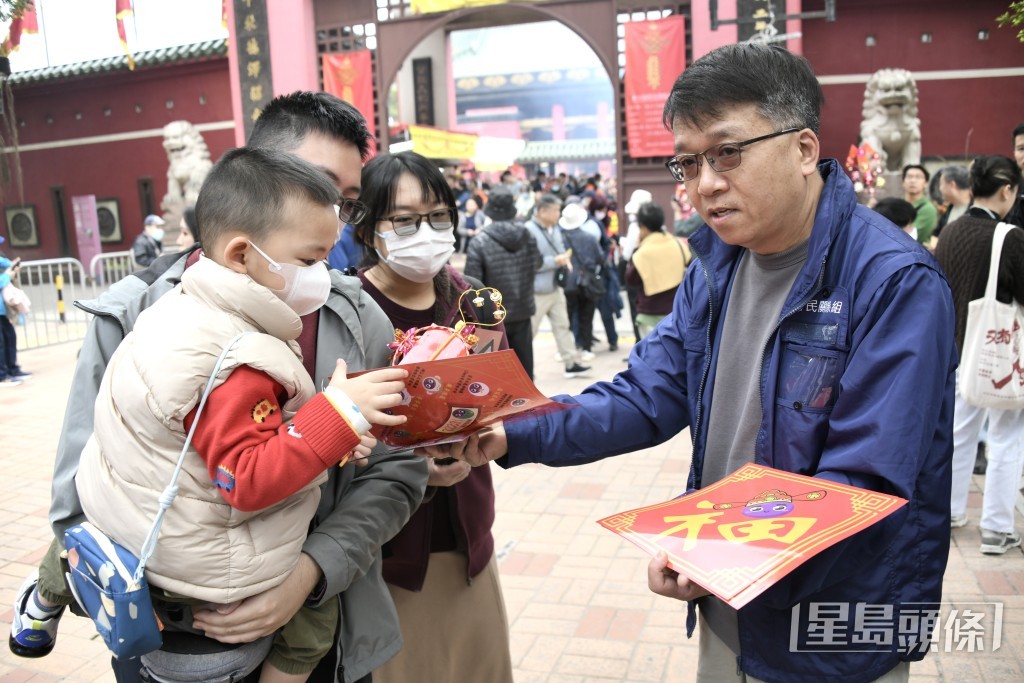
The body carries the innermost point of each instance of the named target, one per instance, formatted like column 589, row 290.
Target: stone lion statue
column 188, row 163
column 890, row 122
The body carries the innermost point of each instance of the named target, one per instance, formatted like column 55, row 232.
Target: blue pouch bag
column 109, row 584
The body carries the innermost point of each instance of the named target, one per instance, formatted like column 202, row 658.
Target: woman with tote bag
column 965, row 252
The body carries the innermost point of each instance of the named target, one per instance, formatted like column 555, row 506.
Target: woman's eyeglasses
column 350, row 210
column 409, row 223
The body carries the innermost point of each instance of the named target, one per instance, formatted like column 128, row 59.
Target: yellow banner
column 429, row 6
column 435, row 143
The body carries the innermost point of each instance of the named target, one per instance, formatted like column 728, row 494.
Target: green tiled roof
column 167, row 55
column 567, row 150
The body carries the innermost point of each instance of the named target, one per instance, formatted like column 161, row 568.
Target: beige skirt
column 453, row 632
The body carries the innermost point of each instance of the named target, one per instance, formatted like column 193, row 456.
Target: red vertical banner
column 655, row 56
column 349, row 75
column 123, row 11
column 26, row 22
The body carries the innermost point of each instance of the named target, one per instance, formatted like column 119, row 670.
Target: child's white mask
column 306, row 288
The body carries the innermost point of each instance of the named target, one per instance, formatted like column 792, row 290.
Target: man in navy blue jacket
column 812, row 337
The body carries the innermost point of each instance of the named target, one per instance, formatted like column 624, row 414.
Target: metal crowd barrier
column 53, row 285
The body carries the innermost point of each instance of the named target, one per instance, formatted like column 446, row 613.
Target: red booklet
column 740, row 535
column 446, row 400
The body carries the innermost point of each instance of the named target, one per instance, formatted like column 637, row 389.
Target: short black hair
column 248, row 188
column 289, row 119
column 990, row 173
column 908, row 167
column 899, row 211
column 1017, row 132
column 380, row 182
column 548, row 199
column 781, row 84
column 651, row 216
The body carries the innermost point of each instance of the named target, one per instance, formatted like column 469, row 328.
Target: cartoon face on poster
column 771, row 503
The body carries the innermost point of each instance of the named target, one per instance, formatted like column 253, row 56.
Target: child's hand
column 361, row 453
column 373, row 392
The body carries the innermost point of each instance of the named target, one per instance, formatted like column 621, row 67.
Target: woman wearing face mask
column 964, row 252
column 443, row 560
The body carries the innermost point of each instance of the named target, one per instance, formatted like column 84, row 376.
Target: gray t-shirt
column 759, row 290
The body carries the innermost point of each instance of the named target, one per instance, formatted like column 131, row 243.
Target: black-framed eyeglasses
column 350, row 210
column 722, row 157
column 406, row 224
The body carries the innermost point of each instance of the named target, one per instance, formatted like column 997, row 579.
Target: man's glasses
column 723, row 157
column 350, row 210
column 409, row 223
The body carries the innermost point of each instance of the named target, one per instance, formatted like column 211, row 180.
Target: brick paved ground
column 576, row 594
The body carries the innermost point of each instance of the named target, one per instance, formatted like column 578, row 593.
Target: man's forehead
column 731, row 123
column 338, row 158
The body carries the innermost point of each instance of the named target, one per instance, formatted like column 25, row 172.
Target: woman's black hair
column 190, row 220
column 989, row 174
column 380, row 179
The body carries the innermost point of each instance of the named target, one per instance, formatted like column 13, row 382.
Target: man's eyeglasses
column 409, row 223
column 723, row 157
column 350, row 210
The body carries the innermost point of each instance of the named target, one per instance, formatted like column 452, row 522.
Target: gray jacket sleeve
column 372, row 503
column 101, row 340
column 114, row 315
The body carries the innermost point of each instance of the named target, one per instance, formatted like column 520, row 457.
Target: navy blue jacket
column 857, row 385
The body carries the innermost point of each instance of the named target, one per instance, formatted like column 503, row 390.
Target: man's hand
column 446, row 473
column 670, row 583
column 262, row 614
column 490, row 443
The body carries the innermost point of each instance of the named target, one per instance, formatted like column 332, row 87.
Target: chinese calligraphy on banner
column 252, row 41
column 742, row 534
column 349, row 75
column 655, row 56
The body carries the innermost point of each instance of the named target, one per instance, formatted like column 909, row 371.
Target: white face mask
column 418, row 257
column 306, row 288
column 158, row 234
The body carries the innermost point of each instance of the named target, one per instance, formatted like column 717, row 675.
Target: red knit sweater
column 252, row 455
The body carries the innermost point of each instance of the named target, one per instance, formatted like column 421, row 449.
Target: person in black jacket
column 149, row 244
column 505, row 256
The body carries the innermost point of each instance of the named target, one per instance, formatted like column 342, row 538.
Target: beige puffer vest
column 207, row 549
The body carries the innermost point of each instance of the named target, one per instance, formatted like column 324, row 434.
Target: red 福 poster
column 655, row 56
column 740, row 535
column 349, row 75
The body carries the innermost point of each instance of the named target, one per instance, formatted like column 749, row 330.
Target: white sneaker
column 31, row 637
column 10, row 383
column 586, row 356
column 957, row 521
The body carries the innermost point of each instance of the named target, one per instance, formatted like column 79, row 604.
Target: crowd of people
column 345, row 573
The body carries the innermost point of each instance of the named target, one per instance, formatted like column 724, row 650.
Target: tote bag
column 992, row 366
